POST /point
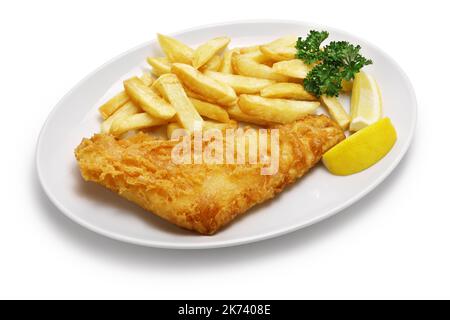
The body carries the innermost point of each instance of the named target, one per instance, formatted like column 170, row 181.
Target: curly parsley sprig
column 338, row 61
column 309, row 49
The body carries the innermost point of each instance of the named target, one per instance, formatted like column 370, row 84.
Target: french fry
column 286, row 41
column 250, row 68
column 171, row 89
column 280, row 49
column 336, row 111
column 240, row 84
column 226, row 66
column 110, row 106
column 175, row 50
column 135, row 122
column 194, row 95
column 258, row 57
column 278, row 53
column 220, row 125
column 148, row 100
column 207, row 50
column 209, row 110
column 126, row 110
column 236, row 113
column 171, row 127
column 205, row 86
column 244, row 50
column 213, row 64
column 275, row 110
column 159, row 66
column 113, row 104
column 295, row 68
column 287, row 91
column 147, row 79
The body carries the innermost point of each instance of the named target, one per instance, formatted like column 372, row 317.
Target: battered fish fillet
column 201, row 197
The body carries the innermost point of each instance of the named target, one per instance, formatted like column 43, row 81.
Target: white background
column 393, row 244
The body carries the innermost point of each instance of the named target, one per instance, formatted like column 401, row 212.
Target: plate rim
column 242, row 240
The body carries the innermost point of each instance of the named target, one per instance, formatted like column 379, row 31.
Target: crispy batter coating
column 201, row 197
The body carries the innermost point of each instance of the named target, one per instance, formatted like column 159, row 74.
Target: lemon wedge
column 362, row 149
column 366, row 104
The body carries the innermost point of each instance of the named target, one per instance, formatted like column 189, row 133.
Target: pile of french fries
column 216, row 87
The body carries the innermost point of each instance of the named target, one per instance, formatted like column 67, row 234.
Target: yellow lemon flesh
column 362, row 149
column 366, row 104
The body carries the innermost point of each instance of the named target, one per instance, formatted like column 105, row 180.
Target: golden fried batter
column 201, row 197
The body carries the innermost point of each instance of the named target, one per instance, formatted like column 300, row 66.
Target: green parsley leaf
column 324, row 79
column 346, row 56
column 309, row 49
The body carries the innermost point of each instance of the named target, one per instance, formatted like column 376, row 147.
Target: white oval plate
column 315, row 197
